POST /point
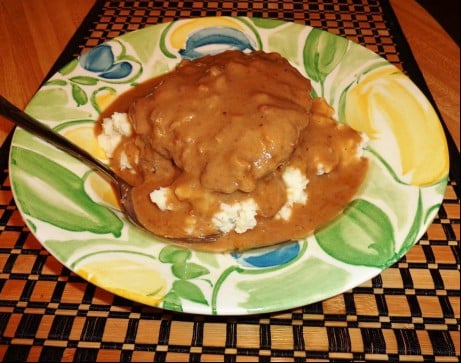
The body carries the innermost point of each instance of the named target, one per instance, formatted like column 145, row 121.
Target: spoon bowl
column 124, row 189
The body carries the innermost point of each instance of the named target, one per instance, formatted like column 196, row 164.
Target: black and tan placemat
column 409, row 312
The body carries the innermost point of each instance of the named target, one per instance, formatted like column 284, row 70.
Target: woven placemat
column 408, row 312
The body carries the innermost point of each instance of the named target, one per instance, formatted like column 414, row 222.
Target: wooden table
column 33, row 33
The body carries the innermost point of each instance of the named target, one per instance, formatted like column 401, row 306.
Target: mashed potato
column 239, row 217
column 114, row 128
column 296, row 184
column 232, row 146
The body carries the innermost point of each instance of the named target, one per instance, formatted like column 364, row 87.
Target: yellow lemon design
column 104, row 97
column 84, row 136
column 101, row 190
column 386, row 105
column 125, row 277
column 180, row 34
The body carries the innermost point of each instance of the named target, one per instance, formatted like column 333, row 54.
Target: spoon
column 123, row 189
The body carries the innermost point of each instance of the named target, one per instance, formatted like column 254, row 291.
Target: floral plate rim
column 233, row 283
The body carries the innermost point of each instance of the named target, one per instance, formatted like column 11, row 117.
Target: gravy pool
column 223, row 129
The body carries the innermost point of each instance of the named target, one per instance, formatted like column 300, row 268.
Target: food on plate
column 234, row 146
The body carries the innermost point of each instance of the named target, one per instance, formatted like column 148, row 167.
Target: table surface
column 33, row 34
column 47, row 26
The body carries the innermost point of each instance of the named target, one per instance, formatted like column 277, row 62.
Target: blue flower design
column 215, row 40
column 269, row 256
column 101, row 60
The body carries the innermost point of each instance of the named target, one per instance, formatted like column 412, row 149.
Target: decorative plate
column 72, row 211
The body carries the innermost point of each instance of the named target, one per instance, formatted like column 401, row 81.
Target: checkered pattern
column 408, row 312
column 360, row 21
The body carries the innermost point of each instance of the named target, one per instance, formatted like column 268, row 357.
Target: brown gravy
column 222, row 129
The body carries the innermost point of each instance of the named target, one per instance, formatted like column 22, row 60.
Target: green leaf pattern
column 184, row 270
column 43, row 182
column 322, row 53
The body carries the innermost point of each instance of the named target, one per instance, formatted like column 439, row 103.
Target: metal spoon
column 124, row 189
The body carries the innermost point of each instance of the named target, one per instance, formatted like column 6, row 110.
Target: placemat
column 408, row 312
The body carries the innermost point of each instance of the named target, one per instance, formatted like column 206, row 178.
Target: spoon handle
column 39, row 129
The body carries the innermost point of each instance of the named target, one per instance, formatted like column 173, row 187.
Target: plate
column 73, row 212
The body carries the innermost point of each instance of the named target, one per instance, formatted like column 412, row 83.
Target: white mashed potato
column 296, row 184
column 239, row 217
column 113, row 129
column 160, row 198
